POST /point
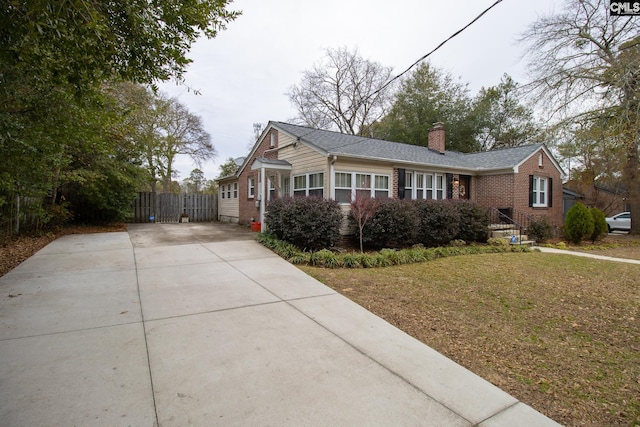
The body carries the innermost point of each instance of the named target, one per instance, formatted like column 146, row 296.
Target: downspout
column 262, row 202
column 332, row 178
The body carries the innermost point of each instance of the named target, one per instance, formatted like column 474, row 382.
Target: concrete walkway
column 585, row 255
column 96, row 330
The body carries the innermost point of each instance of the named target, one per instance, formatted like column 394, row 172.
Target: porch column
column 262, row 198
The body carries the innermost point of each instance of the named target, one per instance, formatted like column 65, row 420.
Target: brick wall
column 547, row 170
column 494, row 191
column 436, row 138
column 512, row 190
column 247, row 206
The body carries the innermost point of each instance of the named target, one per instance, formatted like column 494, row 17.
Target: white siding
column 228, row 209
column 363, row 167
column 303, row 159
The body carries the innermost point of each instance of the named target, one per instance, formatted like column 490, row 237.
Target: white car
column 622, row 222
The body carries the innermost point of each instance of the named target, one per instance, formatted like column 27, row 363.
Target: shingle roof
column 335, row 143
column 273, row 161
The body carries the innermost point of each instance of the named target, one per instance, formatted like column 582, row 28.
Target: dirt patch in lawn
column 15, row 250
column 560, row 333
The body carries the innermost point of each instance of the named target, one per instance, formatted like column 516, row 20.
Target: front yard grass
column 560, row 333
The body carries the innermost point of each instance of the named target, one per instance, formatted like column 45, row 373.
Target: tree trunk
column 630, row 173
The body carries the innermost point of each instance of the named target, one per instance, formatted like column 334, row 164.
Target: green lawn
column 560, row 333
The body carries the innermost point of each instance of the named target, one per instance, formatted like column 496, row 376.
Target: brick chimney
column 436, row 137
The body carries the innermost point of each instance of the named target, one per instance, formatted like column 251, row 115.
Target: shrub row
column 307, row 222
column 394, row 223
column 384, row 258
column 314, row 223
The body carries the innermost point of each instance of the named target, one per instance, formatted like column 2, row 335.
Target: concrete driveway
column 197, row 324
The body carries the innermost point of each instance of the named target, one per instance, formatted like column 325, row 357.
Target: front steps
column 512, row 235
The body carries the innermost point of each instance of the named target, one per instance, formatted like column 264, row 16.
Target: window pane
column 317, row 192
column 286, row 187
column 420, row 183
column 363, row 181
column 300, row 182
column 381, row 194
column 343, row 196
column 429, row 181
column 408, row 180
column 316, row 180
column 382, row 182
column 343, row 180
column 363, row 194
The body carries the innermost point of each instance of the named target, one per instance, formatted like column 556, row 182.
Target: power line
column 434, row 50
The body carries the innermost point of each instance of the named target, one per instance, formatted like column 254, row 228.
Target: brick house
column 296, row 161
column 611, row 199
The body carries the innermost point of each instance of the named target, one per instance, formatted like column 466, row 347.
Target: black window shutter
column 401, row 183
column 550, row 192
column 449, row 186
column 530, row 191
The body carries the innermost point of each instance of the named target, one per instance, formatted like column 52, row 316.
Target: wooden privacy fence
column 164, row 207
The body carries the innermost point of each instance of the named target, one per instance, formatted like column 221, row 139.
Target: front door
column 465, row 186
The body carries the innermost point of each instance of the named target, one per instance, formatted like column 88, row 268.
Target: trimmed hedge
column 474, row 221
column 438, row 222
column 306, row 222
column 393, row 225
column 384, row 258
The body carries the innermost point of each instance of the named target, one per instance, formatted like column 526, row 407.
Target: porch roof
column 273, row 164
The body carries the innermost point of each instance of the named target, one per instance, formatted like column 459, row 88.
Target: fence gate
column 164, row 207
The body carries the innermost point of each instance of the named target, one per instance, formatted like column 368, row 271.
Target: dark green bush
column 600, row 228
column 474, row 222
column 540, row 229
column 307, row 222
column 273, row 216
column 438, row 222
column 393, row 225
column 578, row 224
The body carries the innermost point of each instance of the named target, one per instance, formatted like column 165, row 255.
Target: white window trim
column 251, row 184
column 434, row 188
column 372, row 188
column 540, row 186
column 307, row 181
column 235, row 190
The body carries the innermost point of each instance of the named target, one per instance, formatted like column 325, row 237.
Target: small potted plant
column 184, row 217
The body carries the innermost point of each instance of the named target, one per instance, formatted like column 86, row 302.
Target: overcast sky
column 244, row 73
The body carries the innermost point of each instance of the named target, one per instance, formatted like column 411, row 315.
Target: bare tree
column 182, row 133
column 362, row 210
column 586, row 65
column 342, row 92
